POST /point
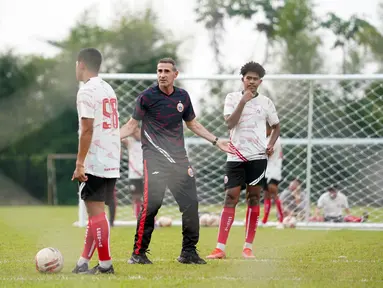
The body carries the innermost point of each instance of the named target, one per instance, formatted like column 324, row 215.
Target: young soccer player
column 246, row 113
column 98, row 158
column 162, row 110
column 273, row 177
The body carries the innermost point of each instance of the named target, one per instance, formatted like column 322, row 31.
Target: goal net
column 331, row 132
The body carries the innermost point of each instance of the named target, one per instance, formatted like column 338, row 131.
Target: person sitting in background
column 333, row 202
column 294, row 200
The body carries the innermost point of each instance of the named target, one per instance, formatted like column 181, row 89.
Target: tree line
column 37, row 95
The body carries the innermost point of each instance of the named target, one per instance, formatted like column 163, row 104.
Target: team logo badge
column 190, row 172
column 180, row 107
column 225, row 179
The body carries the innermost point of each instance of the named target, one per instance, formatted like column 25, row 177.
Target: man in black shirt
column 161, row 109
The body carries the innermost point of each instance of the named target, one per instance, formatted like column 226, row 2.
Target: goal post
column 331, row 132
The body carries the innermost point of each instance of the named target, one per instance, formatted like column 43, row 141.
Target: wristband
column 215, row 141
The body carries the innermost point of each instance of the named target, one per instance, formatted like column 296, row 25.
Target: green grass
column 285, row 258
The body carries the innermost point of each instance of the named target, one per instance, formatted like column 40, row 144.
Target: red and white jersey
column 248, row 137
column 274, row 162
column 136, row 166
column 96, row 99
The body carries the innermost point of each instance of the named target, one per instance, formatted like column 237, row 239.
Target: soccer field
column 285, row 258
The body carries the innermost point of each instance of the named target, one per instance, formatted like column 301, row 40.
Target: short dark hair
column 170, row 61
column 297, row 180
column 253, row 67
column 332, row 189
column 91, row 57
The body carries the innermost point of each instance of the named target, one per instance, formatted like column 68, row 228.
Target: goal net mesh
column 337, row 123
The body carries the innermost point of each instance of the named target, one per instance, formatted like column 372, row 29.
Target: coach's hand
column 224, row 146
column 269, row 150
column 79, row 173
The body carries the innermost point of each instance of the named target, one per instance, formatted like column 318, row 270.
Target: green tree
column 351, row 35
column 132, row 44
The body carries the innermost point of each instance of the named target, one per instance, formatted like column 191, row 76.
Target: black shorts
column 136, row 186
column 334, row 219
column 268, row 182
column 251, row 173
column 178, row 177
column 97, row 189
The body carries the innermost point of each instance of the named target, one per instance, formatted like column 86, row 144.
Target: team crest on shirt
column 258, row 109
column 190, row 171
column 180, row 107
column 225, row 179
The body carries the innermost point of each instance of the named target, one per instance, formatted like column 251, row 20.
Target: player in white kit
column 246, row 113
column 273, row 178
column 98, row 158
column 136, row 167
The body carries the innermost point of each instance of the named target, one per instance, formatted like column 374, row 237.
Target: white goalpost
column 331, row 132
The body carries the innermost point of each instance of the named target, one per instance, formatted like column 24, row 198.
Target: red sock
column 351, row 218
column 101, row 232
column 252, row 215
column 227, row 218
column 89, row 243
column 266, row 210
column 137, row 207
column 279, row 209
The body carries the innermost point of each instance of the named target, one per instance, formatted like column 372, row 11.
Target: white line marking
column 270, row 260
column 139, row 277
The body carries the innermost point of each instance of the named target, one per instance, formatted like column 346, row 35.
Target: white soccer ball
column 49, row 260
column 212, row 220
column 164, row 221
column 204, row 219
column 290, row 222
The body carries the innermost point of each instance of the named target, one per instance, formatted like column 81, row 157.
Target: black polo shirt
column 162, row 132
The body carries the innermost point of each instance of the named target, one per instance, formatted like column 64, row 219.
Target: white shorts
column 274, row 172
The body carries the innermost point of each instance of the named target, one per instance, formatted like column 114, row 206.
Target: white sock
column 82, row 261
column 221, row 246
column 105, row 264
column 248, row 245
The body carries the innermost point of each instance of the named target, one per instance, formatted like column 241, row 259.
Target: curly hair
column 253, row 67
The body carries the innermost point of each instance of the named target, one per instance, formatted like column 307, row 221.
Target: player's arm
column 85, row 139
column 138, row 114
column 198, row 129
column 319, row 206
column 273, row 120
column 128, row 128
column 86, row 111
column 346, row 207
column 232, row 116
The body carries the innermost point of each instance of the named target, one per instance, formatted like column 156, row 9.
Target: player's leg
column 94, row 192
column 351, row 218
column 136, row 190
column 255, row 177
column 267, row 203
column 112, row 205
column 182, row 185
column 234, row 179
column 155, row 175
column 273, row 190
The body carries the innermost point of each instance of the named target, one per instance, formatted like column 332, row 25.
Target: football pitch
column 284, row 258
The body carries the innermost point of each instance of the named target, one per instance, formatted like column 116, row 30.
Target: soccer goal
column 331, row 132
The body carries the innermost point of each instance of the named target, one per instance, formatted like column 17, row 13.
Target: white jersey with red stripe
column 136, row 165
column 248, row 137
column 97, row 100
column 274, row 162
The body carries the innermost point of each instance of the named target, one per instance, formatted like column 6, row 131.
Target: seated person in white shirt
column 333, row 202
